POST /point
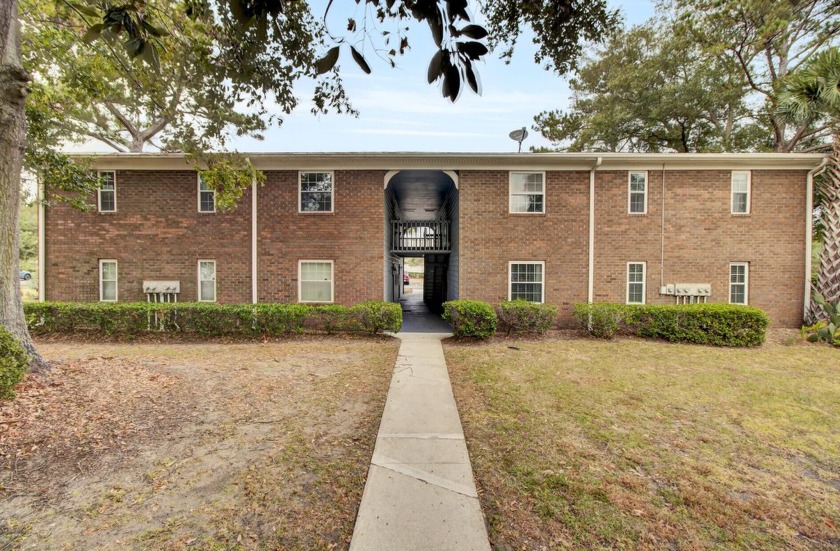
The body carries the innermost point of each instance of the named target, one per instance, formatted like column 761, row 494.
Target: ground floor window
column 738, row 282
column 635, row 283
column 315, row 281
column 207, row 281
column 108, row 280
column 526, row 281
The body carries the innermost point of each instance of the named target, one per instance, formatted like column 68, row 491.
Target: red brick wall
column 157, row 233
column 352, row 236
column 702, row 237
column 490, row 237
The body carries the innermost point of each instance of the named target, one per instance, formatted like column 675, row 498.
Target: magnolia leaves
column 141, row 37
column 458, row 48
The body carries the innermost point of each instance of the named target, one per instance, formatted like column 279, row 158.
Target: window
column 206, row 197
column 738, row 282
column 108, row 280
column 315, row 281
column 635, row 283
column 741, row 192
column 637, row 193
column 316, row 192
column 207, row 281
column 527, row 192
column 526, row 281
column 107, row 191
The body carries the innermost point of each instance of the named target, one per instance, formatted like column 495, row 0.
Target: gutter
column 809, row 229
column 254, row 299
column 42, row 251
column 591, row 288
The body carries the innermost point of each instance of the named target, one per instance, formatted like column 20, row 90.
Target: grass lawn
column 192, row 446
column 580, row 443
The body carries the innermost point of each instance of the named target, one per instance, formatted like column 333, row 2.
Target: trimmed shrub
column 210, row 320
column 13, row 364
column 470, row 318
column 376, row 316
column 529, row 317
column 712, row 324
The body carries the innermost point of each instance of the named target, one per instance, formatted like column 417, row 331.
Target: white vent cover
column 161, row 286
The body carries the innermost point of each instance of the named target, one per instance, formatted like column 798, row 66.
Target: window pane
column 635, row 273
column 106, row 200
column 207, row 271
column 316, row 181
column 208, row 290
column 526, row 291
column 739, row 202
column 638, row 180
column 738, row 294
column 208, row 201
column 109, row 290
column 635, row 293
column 740, row 182
column 316, row 271
column 106, row 180
column 738, row 274
column 637, row 202
column 315, row 291
column 526, row 203
column 203, row 186
column 526, row 183
column 315, row 201
column 109, row 271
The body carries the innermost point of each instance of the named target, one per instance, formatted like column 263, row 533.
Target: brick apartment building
column 335, row 228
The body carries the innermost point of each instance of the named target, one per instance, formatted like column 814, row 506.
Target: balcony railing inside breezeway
column 427, row 236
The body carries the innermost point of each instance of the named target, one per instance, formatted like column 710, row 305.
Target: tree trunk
column 13, row 89
column 828, row 280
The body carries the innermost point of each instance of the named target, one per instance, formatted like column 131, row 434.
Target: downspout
column 591, row 290
column 253, row 237
column 42, row 251
column 809, row 229
column 662, row 235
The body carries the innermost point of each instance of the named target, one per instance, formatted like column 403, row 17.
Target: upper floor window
column 635, row 283
column 527, row 192
column 316, row 192
column 741, row 192
column 107, row 192
column 206, row 196
column 315, row 281
column 738, row 282
column 527, row 281
column 207, row 281
column 108, row 280
column 637, row 193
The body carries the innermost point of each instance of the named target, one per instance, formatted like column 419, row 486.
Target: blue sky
column 399, row 111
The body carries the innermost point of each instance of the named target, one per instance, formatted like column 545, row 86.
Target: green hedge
column 713, row 324
column 13, row 364
column 470, row 318
column 528, row 317
column 211, row 320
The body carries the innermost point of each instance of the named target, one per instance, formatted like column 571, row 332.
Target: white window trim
column 644, row 282
column 116, row 279
column 99, row 173
column 332, row 282
column 630, row 191
column 510, row 277
column 732, row 192
column 746, row 266
column 300, row 192
column 511, row 194
column 200, row 191
column 215, row 278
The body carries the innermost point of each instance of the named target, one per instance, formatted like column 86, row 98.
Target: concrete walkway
column 420, row 493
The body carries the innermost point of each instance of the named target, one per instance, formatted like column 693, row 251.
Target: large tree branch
column 130, row 128
column 153, row 129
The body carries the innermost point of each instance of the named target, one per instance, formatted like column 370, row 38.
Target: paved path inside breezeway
column 420, row 493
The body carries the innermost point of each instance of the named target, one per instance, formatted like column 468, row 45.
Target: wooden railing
column 411, row 236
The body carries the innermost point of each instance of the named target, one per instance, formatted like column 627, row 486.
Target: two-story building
column 555, row 228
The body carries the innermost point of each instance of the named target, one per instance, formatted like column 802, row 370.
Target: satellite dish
column 519, row 136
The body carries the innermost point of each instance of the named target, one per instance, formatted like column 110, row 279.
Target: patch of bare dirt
column 182, row 446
